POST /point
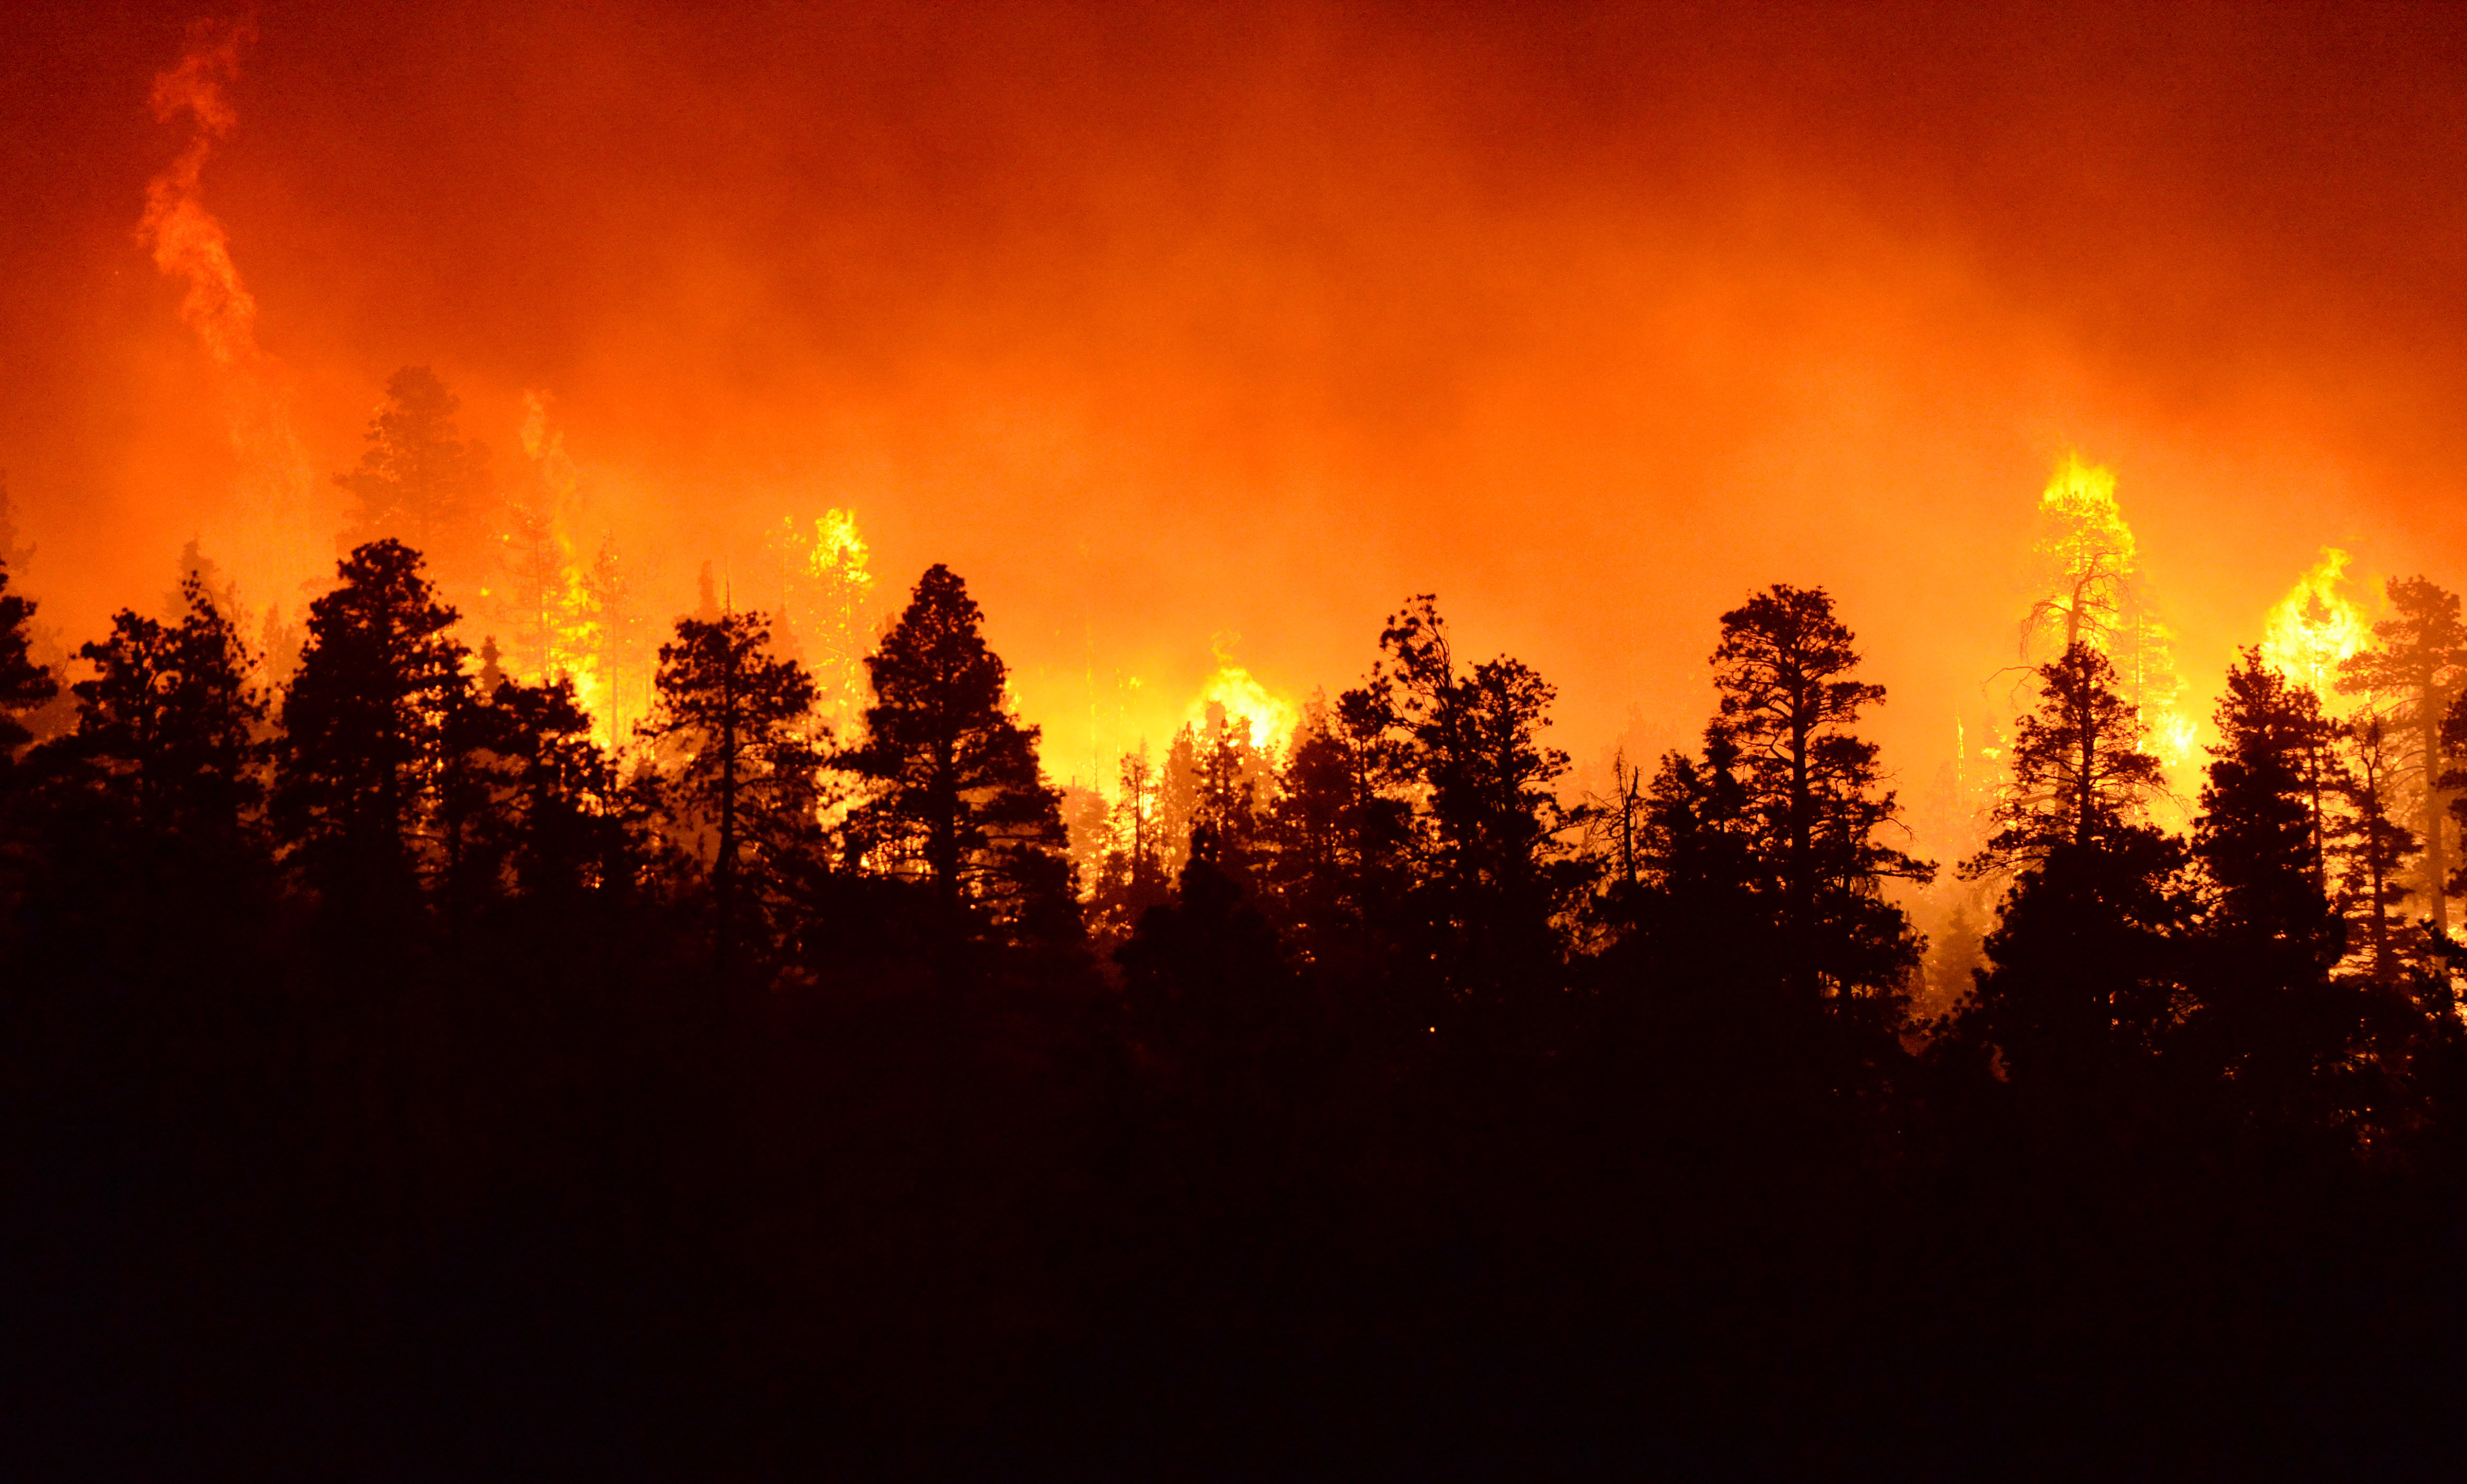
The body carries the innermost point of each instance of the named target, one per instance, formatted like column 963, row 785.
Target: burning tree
column 2096, row 594
column 567, row 619
column 2315, row 628
column 824, row 588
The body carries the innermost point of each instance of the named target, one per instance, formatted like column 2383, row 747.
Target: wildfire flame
column 2086, row 533
column 2096, row 597
column 825, row 590
column 2315, row 626
column 1233, row 688
column 574, row 639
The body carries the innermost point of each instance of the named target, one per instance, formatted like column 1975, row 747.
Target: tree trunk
column 724, row 875
column 2436, row 873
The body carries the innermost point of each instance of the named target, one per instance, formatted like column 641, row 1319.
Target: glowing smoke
column 272, row 526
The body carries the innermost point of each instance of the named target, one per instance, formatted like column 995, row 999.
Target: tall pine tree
column 363, row 728
column 957, row 800
column 742, row 719
column 1785, row 671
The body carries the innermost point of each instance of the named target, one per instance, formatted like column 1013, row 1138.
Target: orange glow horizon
column 1161, row 325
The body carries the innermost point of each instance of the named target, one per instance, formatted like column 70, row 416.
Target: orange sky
column 1165, row 327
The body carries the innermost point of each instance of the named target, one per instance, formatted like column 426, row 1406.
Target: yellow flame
column 837, row 545
column 2174, row 737
column 2315, row 626
column 2089, row 528
column 2097, row 597
column 574, row 643
column 825, row 591
column 1271, row 717
column 2087, row 553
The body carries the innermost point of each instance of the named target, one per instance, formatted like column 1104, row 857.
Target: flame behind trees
column 2315, row 628
column 824, row 589
column 2096, row 594
column 1232, row 692
column 569, row 619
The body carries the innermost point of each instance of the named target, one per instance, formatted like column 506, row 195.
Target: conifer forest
column 616, row 861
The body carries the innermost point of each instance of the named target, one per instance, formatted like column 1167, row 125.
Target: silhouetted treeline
column 399, row 1081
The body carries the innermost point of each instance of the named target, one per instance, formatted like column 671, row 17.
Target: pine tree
column 364, row 725
column 2270, row 1022
column 532, row 797
column 742, row 718
column 2086, row 975
column 2080, row 774
column 1707, row 906
column 419, row 482
column 2376, row 853
column 168, row 724
column 1131, row 875
column 1227, row 802
column 1784, row 669
column 2412, row 675
column 2258, row 838
column 24, row 685
column 1337, row 842
column 1492, row 865
column 958, row 799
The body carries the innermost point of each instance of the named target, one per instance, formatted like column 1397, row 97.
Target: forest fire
column 2097, row 595
column 1180, row 741
column 1234, row 693
column 2315, row 628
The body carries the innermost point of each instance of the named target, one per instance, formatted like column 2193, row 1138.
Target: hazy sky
column 1166, row 326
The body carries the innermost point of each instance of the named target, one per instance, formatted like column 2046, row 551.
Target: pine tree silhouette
column 957, row 800
column 742, row 716
column 364, row 730
column 24, row 685
column 1783, row 668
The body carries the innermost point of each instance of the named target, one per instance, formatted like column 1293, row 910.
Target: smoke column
column 267, row 531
